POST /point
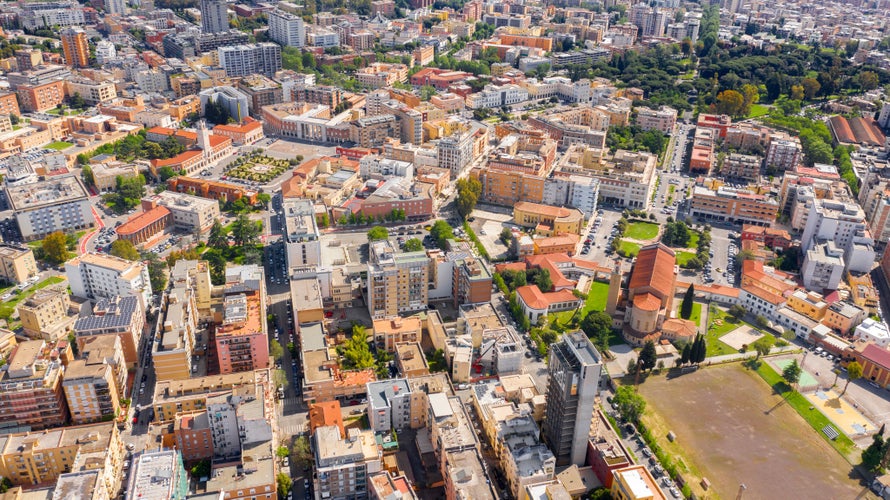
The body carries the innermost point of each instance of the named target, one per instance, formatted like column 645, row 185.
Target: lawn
column 733, row 429
column 59, row 145
column 596, row 298
column 695, row 317
column 728, row 324
column 683, row 257
column 758, row 110
column 693, row 239
column 628, row 249
column 641, row 231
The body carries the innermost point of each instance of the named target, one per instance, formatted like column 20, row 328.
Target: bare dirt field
column 724, row 434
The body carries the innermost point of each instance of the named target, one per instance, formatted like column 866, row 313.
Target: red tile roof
column 535, row 299
column 247, row 125
column 877, row 355
column 178, row 159
column 646, row 302
column 139, row 221
column 841, row 129
column 654, row 267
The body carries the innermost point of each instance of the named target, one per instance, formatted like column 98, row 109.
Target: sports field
column 732, row 429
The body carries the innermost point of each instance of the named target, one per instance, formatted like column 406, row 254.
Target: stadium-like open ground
column 733, row 429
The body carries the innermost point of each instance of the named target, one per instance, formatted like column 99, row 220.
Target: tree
column 441, row 232
column 506, row 236
column 157, row 270
column 77, row 102
column 264, row 199
column 811, row 88
column 738, row 311
column 791, row 373
column 751, row 96
column 300, row 451
column 597, row 325
column 854, row 371
column 217, row 237
column 217, row 264
column 124, row 249
column 743, row 256
column 797, row 92
column 763, row 345
column 284, row 484
column 245, row 231
column 55, row 247
column 542, row 280
column 686, row 355
column 730, row 102
column 413, row 245
column 275, row 349
column 14, row 119
column 378, row 233
column 282, row 452
column 468, row 192
column 686, row 305
column 436, row 361
column 874, row 454
column 761, row 321
column 166, row 173
column 86, row 174
column 355, row 351
column 699, row 350
column 647, row 357
column 630, row 404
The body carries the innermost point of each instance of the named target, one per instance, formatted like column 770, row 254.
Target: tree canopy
column 468, row 192
column 378, row 233
column 55, row 247
column 124, row 249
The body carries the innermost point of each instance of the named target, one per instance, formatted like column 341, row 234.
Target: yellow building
column 183, row 396
column 45, row 314
column 33, row 458
column 396, row 330
column 17, row 263
column 863, row 292
column 548, row 220
column 106, row 174
column 172, row 356
column 842, row 317
column 91, row 392
column 810, row 304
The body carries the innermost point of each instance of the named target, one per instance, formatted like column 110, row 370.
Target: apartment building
column 45, row 314
column 191, row 214
column 343, row 466
column 91, row 392
column 302, row 240
column 122, row 317
column 56, row 204
column 389, row 332
column 662, row 119
column 76, row 47
column 9, row 105
column 158, row 474
column 287, row 29
column 247, row 132
column 455, row 152
column 172, row 397
column 575, row 367
column 471, row 281
column 92, row 92
column 378, row 75
column 739, row 166
column 823, row 267
column 373, row 131
column 172, row 356
column 31, row 386
column 96, row 276
column 236, row 102
column 41, row 97
column 244, row 60
column 740, row 206
column 397, row 282
column 389, row 405
column 783, row 153
column 105, row 174
column 17, row 263
column 840, row 220
column 107, row 350
column 214, row 16
column 626, row 179
column 241, row 339
column 38, row 458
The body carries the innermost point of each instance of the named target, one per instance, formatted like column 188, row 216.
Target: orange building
column 40, row 98
column 9, row 105
column 144, row 225
column 326, row 413
column 193, row 436
column 210, row 189
column 247, row 132
column 76, row 47
column 545, row 44
column 187, row 160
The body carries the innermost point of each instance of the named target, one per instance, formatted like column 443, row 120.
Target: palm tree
column 854, row 371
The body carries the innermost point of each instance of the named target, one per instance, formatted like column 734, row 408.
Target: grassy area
column 475, row 239
column 696, row 313
column 641, row 230
column 59, row 145
column 693, row 239
column 683, row 257
column 758, row 110
column 596, row 298
column 813, row 416
column 8, row 308
column 629, row 249
column 727, row 324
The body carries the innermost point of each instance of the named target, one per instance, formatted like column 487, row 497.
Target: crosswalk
column 292, row 429
column 291, row 405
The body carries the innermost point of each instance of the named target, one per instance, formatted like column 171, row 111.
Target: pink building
column 241, row 341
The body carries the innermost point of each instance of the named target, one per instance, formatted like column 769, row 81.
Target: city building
column 31, row 391
column 662, row 119
column 535, row 303
column 92, row 92
column 241, row 339
column 76, row 47
column 159, row 474
column 389, row 332
column 650, row 293
column 739, row 166
column 41, row 97
column 739, row 206
column 244, row 60
column 247, row 132
column 302, row 238
column 213, row 190
column 17, row 263
column 389, row 405
column 214, row 16
column 145, row 228
column 326, row 413
column 410, row 360
column 119, row 316
column 635, row 482
column 190, row 214
column 823, row 267
column 343, row 465
column 397, row 282
column 575, row 367
column 874, row 332
column 783, row 154
column 172, row 357
column 173, row 397
column 378, row 75
column 56, row 204
column 548, row 220
column 105, row 174
column 46, row 314
column 625, row 179
column 287, row 29
column 107, row 350
column 236, row 102
column 95, row 276
column 91, row 392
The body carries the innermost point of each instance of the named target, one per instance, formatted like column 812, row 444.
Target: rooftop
column 109, row 314
column 52, row 191
column 654, row 268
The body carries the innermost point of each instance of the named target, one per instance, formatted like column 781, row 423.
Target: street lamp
column 742, row 489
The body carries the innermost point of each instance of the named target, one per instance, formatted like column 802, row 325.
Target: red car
column 135, row 419
column 329, row 314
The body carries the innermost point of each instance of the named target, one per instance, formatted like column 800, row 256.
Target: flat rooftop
column 53, row 191
column 153, row 475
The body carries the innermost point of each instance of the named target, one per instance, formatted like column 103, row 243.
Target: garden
column 260, row 168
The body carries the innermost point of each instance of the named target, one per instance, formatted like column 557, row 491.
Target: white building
column 823, row 267
column 496, row 96
column 572, row 190
column 93, row 276
column 235, row 101
column 287, row 29
column 379, row 167
column 783, row 154
column 37, row 15
column 214, row 16
column 389, row 405
column 841, row 222
column 455, row 152
column 151, row 80
column 105, row 52
column 247, row 59
column 115, row 7
column 191, row 214
column 873, row 331
column 56, row 204
column 302, row 239
column 322, row 38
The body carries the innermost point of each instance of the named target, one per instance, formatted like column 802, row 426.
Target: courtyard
column 733, row 429
column 259, row 167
